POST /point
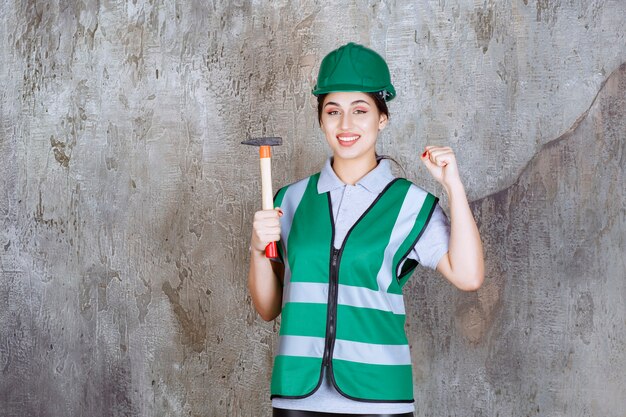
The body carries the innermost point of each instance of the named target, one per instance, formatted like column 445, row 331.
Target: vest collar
column 374, row 182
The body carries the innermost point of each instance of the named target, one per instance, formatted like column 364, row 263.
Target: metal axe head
column 266, row 141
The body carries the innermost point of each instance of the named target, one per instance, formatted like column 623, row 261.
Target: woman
column 349, row 238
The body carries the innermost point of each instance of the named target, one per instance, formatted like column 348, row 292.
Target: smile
column 347, row 140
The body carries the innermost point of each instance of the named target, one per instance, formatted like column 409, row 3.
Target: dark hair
column 381, row 105
column 378, row 98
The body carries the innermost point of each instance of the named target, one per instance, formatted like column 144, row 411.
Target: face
column 351, row 122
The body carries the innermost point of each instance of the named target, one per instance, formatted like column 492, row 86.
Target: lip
column 348, row 139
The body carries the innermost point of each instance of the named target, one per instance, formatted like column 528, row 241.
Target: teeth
column 348, row 139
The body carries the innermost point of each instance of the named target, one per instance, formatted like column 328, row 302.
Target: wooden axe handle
column 271, row 251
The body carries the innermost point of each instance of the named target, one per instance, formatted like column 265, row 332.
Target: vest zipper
column 333, row 285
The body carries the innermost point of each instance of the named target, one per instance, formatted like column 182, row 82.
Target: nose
column 346, row 121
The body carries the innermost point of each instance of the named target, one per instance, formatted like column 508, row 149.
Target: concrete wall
column 126, row 199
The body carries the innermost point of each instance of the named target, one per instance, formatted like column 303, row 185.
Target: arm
column 265, row 277
column 463, row 265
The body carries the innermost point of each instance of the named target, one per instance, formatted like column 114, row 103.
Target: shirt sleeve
column 433, row 243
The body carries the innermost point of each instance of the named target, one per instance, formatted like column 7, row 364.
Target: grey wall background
column 126, row 200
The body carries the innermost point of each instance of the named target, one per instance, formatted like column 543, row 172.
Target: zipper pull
column 335, row 256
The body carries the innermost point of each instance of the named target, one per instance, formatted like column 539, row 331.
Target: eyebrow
column 332, row 103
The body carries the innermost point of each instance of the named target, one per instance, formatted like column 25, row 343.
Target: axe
column 266, row 179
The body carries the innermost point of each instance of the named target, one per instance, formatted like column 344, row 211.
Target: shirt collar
column 375, row 180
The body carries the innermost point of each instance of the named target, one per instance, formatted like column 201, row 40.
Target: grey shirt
column 348, row 203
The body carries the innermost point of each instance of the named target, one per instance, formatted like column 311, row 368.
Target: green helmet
column 354, row 67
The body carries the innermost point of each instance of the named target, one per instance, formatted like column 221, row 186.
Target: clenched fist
column 441, row 163
column 265, row 228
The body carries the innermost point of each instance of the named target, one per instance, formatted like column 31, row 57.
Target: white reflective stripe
column 312, row 292
column 371, row 353
column 290, row 203
column 312, row 347
column 374, row 354
column 305, row 292
column 364, row 297
column 413, row 201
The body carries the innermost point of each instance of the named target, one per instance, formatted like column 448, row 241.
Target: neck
column 350, row 171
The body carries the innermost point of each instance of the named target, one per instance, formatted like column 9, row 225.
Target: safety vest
column 343, row 308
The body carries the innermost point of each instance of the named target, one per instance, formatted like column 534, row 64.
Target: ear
column 382, row 122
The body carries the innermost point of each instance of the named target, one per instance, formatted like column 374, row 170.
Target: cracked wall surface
column 126, row 199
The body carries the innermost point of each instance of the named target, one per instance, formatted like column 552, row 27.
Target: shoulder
column 416, row 193
column 416, row 188
column 297, row 184
column 293, row 189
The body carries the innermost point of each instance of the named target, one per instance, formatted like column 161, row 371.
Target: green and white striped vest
column 343, row 308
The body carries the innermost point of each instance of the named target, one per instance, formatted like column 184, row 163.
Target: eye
column 360, row 110
column 332, row 112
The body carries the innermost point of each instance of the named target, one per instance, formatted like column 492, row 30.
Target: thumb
column 426, row 160
column 433, row 169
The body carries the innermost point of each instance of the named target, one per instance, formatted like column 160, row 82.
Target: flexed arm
column 463, row 265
